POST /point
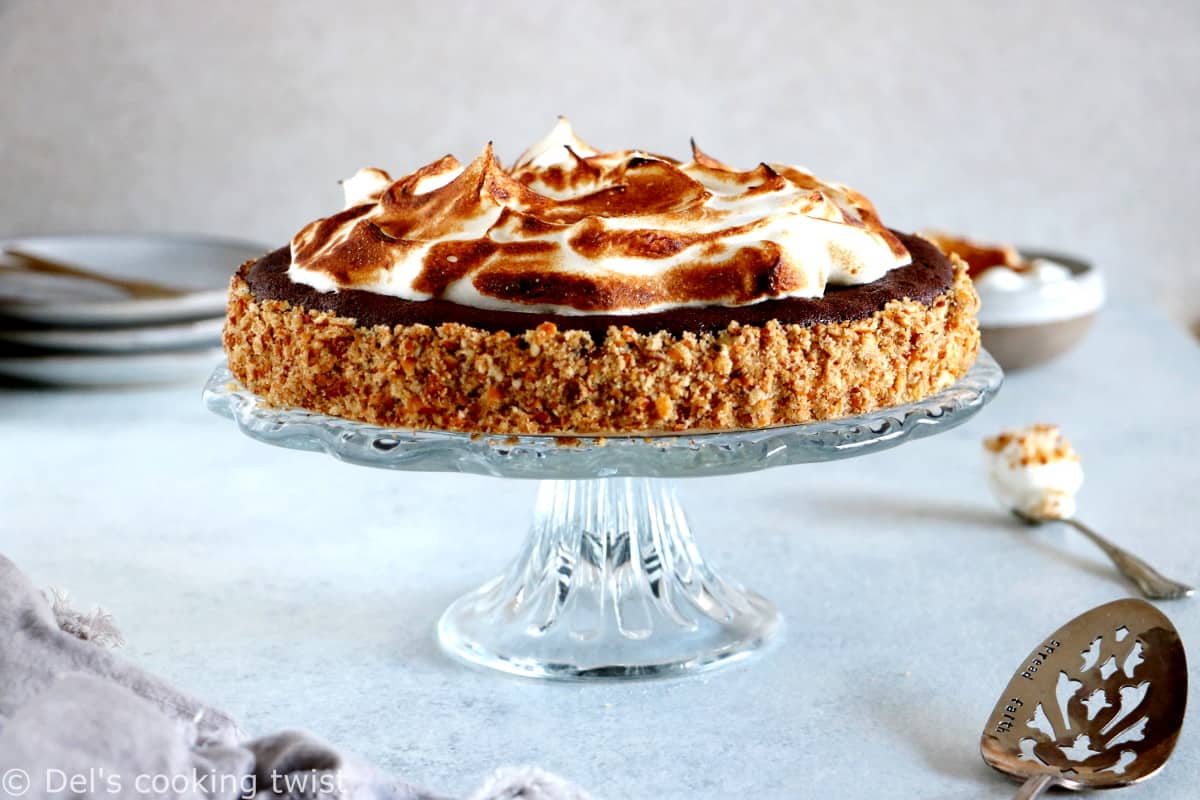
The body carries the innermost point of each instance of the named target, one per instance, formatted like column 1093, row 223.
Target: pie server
column 1097, row 705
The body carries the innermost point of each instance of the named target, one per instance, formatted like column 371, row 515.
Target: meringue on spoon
column 1035, row 473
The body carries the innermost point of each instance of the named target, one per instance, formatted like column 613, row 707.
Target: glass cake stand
column 609, row 582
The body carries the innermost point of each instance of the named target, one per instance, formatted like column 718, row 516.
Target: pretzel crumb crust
column 550, row 381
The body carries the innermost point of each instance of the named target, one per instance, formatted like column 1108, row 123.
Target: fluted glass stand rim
column 610, row 582
column 543, row 457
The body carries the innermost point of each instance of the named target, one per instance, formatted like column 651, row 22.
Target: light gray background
column 1065, row 124
column 909, row 598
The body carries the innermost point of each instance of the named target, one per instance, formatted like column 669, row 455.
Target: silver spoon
column 1152, row 583
column 1098, row 705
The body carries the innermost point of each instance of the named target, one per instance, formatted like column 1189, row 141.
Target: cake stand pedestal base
column 609, row 583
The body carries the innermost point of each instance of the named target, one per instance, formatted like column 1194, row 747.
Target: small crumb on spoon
column 1034, row 471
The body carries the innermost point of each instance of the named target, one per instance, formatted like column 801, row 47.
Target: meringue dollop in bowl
column 1035, row 315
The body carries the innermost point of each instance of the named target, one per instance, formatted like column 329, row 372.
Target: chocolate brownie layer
column 929, row 276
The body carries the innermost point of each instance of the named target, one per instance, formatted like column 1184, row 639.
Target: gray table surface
column 296, row 591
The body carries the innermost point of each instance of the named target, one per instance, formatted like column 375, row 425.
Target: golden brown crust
column 549, row 381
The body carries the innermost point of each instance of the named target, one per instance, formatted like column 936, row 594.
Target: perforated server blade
column 1097, row 705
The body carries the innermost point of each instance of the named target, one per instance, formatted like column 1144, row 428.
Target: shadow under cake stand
column 609, row 582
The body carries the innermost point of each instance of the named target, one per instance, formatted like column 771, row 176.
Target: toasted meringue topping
column 570, row 230
column 978, row 255
column 1016, row 289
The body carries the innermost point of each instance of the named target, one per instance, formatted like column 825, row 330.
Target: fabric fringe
column 98, row 627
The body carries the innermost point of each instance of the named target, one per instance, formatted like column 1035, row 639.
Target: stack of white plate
column 85, row 326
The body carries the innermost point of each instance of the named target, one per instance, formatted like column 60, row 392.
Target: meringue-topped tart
column 587, row 292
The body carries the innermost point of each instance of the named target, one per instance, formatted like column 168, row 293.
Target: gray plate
column 200, row 265
column 113, row 370
column 172, row 336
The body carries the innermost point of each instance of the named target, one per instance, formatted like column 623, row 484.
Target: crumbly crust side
column 550, row 381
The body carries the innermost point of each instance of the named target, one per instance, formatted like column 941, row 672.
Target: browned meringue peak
column 572, row 230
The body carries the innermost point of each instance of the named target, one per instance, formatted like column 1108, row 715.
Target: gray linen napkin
column 78, row 721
